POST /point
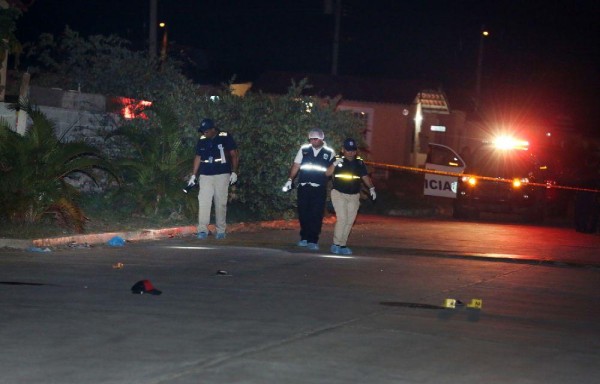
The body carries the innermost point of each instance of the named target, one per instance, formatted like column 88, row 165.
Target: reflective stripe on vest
column 347, row 176
column 313, row 167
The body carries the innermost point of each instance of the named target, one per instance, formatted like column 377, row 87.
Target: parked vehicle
column 503, row 176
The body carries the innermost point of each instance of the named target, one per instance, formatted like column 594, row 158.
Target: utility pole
column 152, row 35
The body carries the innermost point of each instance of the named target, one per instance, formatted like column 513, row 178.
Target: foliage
column 105, row 65
column 35, row 170
column 269, row 130
column 155, row 161
column 8, row 26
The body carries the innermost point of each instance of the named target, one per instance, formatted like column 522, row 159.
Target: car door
column 445, row 160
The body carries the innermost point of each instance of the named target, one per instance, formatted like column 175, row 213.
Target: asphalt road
column 279, row 314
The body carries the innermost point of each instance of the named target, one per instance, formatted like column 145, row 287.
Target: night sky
column 543, row 48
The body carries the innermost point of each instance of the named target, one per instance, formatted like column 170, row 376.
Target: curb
column 98, row 238
column 140, row 235
column 15, row 243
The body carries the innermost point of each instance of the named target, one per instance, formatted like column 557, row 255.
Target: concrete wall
column 55, row 97
column 390, row 133
column 77, row 116
column 71, row 123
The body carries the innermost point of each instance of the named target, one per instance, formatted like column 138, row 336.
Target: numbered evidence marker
column 475, row 303
column 450, row 303
column 453, row 303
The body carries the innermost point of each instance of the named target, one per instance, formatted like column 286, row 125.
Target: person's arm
column 196, row 165
column 235, row 160
column 367, row 180
column 332, row 165
column 294, row 171
column 330, row 170
column 192, row 179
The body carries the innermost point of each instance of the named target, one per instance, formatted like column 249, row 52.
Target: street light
column 484, row 34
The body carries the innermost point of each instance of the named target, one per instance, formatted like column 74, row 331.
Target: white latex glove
column 287, row 186
column 232, row 178
column 192, row 181
column 372, row 193
column 337, row 162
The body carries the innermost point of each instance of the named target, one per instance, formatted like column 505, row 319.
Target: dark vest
column 215, row 153
column 347, row 176
column 313, row 168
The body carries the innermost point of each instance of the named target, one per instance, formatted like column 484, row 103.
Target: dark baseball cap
column 350, row 144
column 205, row 125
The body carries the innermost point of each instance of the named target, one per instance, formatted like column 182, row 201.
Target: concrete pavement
column 552, row 245
column 283, row 314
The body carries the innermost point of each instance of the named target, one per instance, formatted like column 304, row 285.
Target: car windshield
column 508, row 164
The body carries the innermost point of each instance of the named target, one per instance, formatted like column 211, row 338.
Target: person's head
column 316, row 137
column 208, row 128
column 349, row 148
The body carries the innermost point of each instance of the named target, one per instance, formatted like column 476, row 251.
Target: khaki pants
column 213, row 187
column 346, row 208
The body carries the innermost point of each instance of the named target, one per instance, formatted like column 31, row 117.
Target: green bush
column 154, row 163
column 269, row 130
column 35, row 170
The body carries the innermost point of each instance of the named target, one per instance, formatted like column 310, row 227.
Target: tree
column 10, row 11
column 35, row 170
column 155, row 160
column 269, row 130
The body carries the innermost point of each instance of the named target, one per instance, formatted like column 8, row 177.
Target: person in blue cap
column 310, row 165
column 349, row 172
column 216, row 164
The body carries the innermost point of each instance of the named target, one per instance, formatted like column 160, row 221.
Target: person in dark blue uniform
column 349, row 172
column 216, row 162
column 310, row 165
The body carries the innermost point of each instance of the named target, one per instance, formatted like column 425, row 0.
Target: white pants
column 346, row 208
column 213, row 187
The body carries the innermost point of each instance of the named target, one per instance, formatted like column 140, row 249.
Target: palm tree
column 159, row 158
column 35, row 169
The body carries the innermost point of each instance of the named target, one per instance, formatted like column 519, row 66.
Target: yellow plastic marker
column 475, row 303
column 450, row 303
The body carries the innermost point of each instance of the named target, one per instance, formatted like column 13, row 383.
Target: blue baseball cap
column 350, row 144
column 205, row 125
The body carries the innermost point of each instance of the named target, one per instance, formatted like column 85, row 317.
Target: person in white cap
column 349, row 172
column 310, row 165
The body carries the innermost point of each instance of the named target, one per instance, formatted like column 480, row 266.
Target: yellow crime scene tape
column 454, row 174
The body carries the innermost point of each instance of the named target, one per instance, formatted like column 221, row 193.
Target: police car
column 501, row 176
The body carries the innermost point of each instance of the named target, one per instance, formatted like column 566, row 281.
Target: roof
column 433, row 101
